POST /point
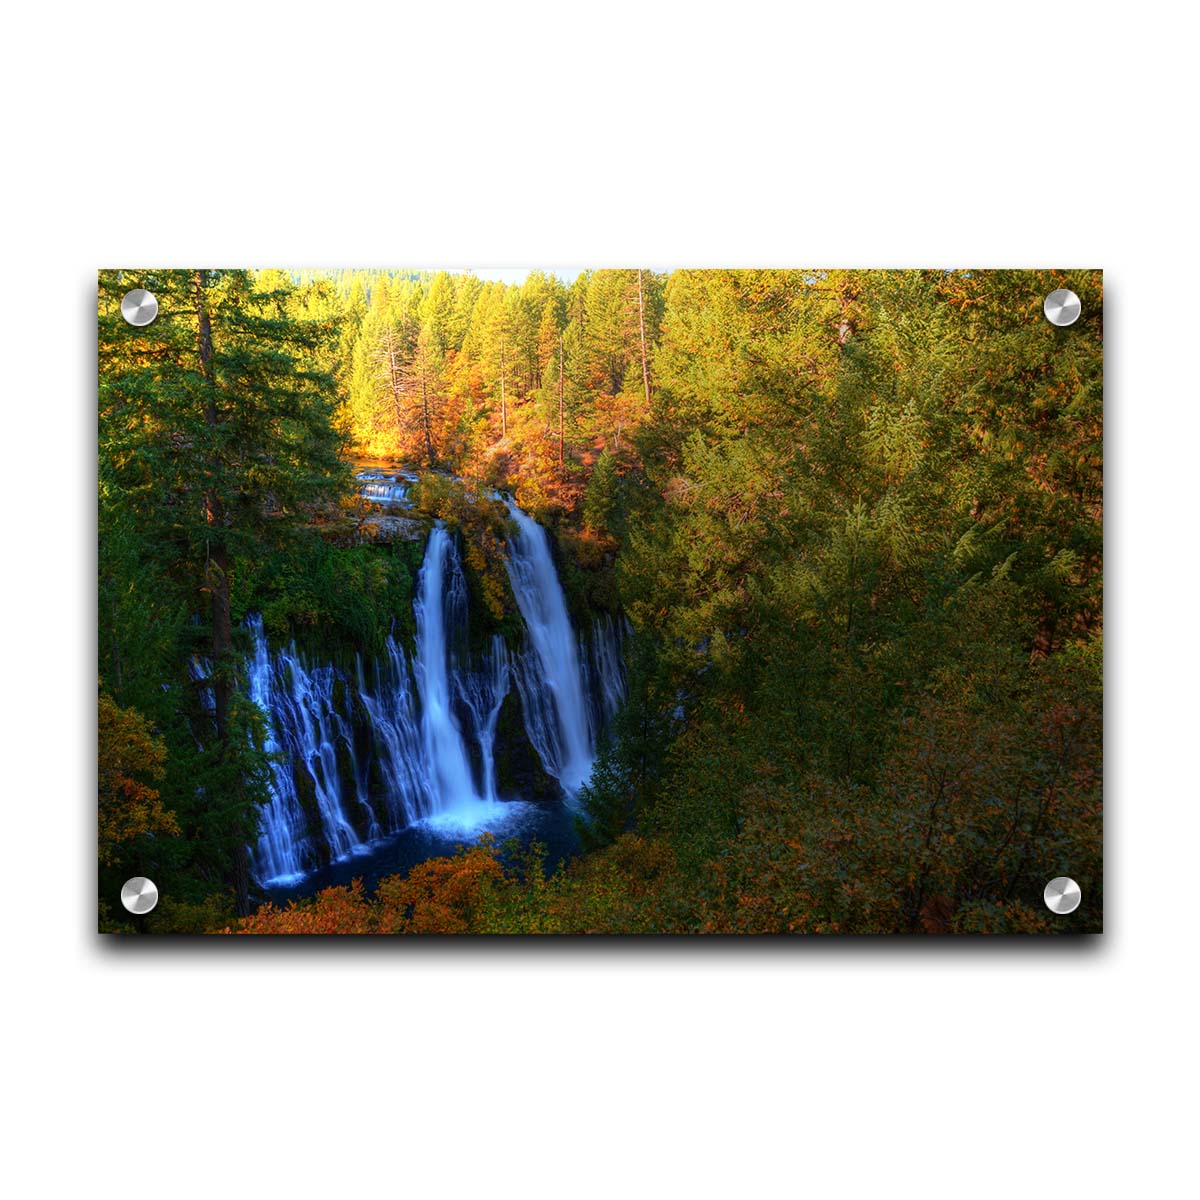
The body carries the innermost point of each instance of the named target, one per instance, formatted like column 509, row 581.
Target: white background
column 737, row 134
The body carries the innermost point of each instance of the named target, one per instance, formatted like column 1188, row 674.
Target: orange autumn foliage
column 441, row 895
column 129, row 755
column 334, row 910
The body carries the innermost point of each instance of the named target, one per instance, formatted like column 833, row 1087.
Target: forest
column 827, row 546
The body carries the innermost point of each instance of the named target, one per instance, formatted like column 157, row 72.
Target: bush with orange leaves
column 442, row 895
column 334, row 910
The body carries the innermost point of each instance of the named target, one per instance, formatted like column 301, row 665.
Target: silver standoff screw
column 139, row 895
column 139, row 307
column 1062, row 895
column 1062, row 307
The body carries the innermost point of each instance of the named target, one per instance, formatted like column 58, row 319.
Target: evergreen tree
column 217, row 434
column 626, row 776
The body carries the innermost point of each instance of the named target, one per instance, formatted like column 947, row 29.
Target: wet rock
column 519, row 770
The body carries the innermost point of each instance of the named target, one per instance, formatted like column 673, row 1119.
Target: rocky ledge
column 383, row 527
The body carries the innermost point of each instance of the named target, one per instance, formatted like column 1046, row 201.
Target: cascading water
column 441, row 602
column 313, row 728
column 385, row 488
column 605, row 670
column 398, row 743
column 396, row 739
column 483, row 693
column 567, row 747
column 282, row 845
column 305, row 730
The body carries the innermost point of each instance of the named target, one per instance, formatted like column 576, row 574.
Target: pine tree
column 547, row 340
column 426, row 384
column 628, row 769
column 438, row 314
column 218, row 434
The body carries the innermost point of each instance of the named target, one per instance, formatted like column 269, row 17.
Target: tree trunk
column 846, row 328
column 425, row 411
column 642, row 329
column 503, row 412
column 561, row 471
column 395, row 386
column 216, row 583
column 116, row 651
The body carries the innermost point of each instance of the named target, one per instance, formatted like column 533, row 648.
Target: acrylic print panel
column 605, row 601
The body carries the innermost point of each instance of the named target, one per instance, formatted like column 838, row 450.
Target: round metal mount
column 1062, row 307
column 139, row 307
column 139, row 895
column 1062, row 895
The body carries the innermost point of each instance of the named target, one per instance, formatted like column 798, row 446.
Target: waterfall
column 303, row 724
column 550, row 679
column 385, row 487
column 441, row 603
column 396, row 740
column 605, row 670
column 483, row 693
column 316, row 728
column 280, row 852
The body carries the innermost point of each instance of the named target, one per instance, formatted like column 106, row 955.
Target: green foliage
column 605, row 801
column 629, row 767
column 873, row 565
column 855, row 519
column 170, row 915
column 329, row 597
column 601, row 499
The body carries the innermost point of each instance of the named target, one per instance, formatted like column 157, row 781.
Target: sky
column 517, row 274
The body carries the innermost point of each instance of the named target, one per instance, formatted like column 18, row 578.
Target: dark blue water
column 553, row 825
